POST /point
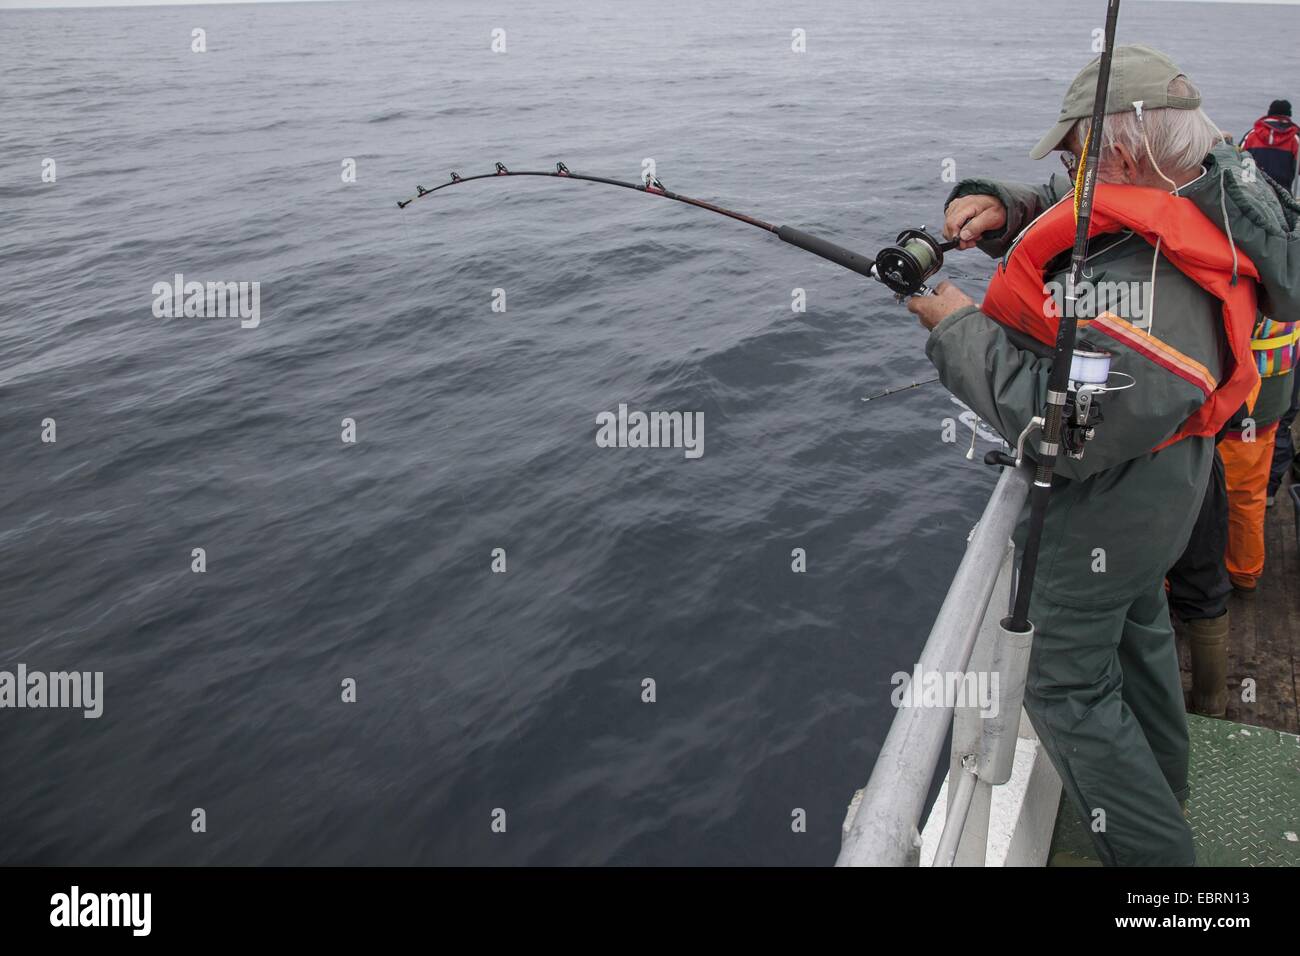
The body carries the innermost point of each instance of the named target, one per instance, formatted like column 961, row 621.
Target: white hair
column 1166, row 142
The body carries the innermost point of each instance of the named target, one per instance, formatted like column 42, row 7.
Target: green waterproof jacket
column 1261, row 218
column 1120, row 517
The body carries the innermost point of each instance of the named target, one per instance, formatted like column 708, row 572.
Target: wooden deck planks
column 1264, row 644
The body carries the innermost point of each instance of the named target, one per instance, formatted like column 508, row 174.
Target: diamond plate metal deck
column 1244, row 809
column 1245, row 803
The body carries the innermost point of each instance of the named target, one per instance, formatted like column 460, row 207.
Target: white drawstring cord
column 1151, row 302
column 1227, row 226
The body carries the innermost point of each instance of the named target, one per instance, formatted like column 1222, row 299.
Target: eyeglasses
column 1070, row 162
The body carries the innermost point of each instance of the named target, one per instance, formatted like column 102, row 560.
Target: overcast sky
column 134, row 3
column 143, row 3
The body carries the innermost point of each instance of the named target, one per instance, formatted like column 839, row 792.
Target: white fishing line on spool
column 1092, row 368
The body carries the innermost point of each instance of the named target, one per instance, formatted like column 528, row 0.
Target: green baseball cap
column 1137, row 72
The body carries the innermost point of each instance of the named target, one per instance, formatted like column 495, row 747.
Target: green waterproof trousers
column 1106, row 699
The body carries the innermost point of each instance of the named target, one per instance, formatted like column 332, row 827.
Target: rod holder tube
column 1010, row 661
column 981, row 714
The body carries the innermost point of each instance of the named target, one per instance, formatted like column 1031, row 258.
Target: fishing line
column 406, row 228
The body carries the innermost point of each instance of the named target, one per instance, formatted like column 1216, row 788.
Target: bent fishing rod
column 903, row 267
column 1076, row 377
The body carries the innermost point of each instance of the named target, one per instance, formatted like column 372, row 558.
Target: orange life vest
column 1018, row 297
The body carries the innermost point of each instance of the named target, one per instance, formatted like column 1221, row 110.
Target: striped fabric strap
column 1275, row 347
column 1277, row 341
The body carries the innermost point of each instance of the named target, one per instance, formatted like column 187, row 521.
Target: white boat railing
column 883, row 825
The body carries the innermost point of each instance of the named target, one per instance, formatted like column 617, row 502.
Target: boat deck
column 1245, row 804
column 1245, row 771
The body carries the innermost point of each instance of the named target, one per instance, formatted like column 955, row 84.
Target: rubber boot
column 1208, row 638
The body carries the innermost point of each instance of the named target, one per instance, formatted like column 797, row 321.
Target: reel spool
column 917, row 256
column 1090, row 371
column 1089, row 367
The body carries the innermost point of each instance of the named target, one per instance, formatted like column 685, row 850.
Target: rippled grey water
column 371, row 561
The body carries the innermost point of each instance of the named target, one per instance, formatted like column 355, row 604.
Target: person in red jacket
column 1274, row 144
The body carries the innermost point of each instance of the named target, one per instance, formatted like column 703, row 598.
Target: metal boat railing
column 966, row 638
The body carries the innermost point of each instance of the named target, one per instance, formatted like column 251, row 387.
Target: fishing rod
column 900, row 388
column 904, row 267
column 1076, row 425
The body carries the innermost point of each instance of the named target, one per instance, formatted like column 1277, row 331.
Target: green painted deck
column 1244, row 808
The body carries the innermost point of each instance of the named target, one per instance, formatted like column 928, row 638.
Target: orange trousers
column 1245, row 466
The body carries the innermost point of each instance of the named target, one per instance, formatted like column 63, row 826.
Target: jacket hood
column 1258, row 217
column 1280, row 129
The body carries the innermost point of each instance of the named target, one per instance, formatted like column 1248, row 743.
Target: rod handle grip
column 837, row 254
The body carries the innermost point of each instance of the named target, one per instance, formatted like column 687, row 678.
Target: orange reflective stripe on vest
column 1018, row 297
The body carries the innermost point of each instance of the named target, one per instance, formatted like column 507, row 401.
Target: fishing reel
column 1090, row 378
column 1089, row 375
column 906, row 265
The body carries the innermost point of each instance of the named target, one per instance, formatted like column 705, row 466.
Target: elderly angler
column 1206, row 241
